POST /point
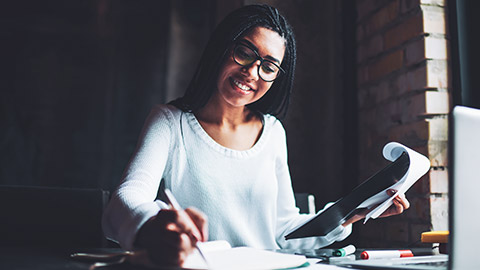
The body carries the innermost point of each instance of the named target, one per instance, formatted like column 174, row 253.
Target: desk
column 36, row 258
column 22, row 258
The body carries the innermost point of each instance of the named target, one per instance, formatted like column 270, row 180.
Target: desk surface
column 42, row 258
column 16, row 258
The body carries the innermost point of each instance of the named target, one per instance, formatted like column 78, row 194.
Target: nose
column 252, row 70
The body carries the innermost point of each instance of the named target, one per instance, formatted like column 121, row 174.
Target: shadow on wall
column 81, row 78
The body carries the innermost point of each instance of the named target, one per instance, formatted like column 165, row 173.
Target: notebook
column 221, row 255
column 464, row 184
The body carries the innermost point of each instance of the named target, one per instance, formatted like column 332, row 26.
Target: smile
column 241, row 86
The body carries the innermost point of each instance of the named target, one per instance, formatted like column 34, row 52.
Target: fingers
column 200, row 220
column 401, row 199
column 163, row 229
column 400, row 203
column 398, row 207
column 171, row 255
column 166, row 238
column 187, row 225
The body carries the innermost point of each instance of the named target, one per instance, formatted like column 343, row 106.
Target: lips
column 241, row 86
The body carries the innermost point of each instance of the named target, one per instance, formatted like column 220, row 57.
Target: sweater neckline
column 199, row 131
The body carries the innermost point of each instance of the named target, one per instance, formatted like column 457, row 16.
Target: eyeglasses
column 245, row 56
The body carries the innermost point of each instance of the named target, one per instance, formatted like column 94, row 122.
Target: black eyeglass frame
column 281, row 71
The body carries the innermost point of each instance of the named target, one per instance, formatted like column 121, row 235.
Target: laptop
column 464, row 186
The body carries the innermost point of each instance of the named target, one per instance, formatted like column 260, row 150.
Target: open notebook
column 221, row 255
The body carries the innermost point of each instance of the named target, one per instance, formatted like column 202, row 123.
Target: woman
column 221, row 149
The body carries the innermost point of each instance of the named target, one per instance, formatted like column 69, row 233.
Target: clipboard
column 344, row 208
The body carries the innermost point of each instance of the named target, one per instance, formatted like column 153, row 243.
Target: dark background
column 79, row 78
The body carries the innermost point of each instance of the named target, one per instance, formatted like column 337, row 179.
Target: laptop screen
column 464, row 188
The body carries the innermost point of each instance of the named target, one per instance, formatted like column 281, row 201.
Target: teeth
column 241, row 86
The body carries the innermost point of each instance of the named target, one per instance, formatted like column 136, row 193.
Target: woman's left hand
column 400, row 204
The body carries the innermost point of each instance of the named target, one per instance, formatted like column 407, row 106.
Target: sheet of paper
column 221, row 256
column 195, row 260
column 419, row 165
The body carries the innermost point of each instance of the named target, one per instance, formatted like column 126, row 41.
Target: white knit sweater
column 246, row 195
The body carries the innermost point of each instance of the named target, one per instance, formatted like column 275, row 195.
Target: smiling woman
column 221, row 149
column 231, row 32
column 226, row 117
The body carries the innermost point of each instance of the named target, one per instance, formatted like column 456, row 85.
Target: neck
column 224, row 114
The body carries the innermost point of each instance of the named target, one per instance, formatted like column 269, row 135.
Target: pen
column 385, row 254
column 342, row 252
column 195, row 232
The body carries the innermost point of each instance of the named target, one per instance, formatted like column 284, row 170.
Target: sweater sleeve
column 288, row 215
column 133, row 203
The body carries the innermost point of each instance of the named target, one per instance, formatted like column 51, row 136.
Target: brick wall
column 403, row 96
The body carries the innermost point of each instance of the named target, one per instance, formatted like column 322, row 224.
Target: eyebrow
column 250, row 44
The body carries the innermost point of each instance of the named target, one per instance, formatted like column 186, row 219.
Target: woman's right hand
column 170, row 236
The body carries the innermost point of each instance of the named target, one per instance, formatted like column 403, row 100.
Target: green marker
column 341, row 252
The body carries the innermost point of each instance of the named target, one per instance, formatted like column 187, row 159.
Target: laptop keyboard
column 439, row 264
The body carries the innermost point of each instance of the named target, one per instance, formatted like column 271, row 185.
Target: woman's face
column 241, row 85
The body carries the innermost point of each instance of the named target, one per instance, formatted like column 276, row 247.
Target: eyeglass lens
column 245, row 56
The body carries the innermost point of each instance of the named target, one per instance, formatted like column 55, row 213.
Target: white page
column 244, row 258
column 195, row 260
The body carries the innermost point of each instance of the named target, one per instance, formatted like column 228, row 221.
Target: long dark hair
column 230, row 29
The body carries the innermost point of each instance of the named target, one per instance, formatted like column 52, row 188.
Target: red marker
column 385, row 254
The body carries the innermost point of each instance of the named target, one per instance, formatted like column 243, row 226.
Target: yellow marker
column 435, row 237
